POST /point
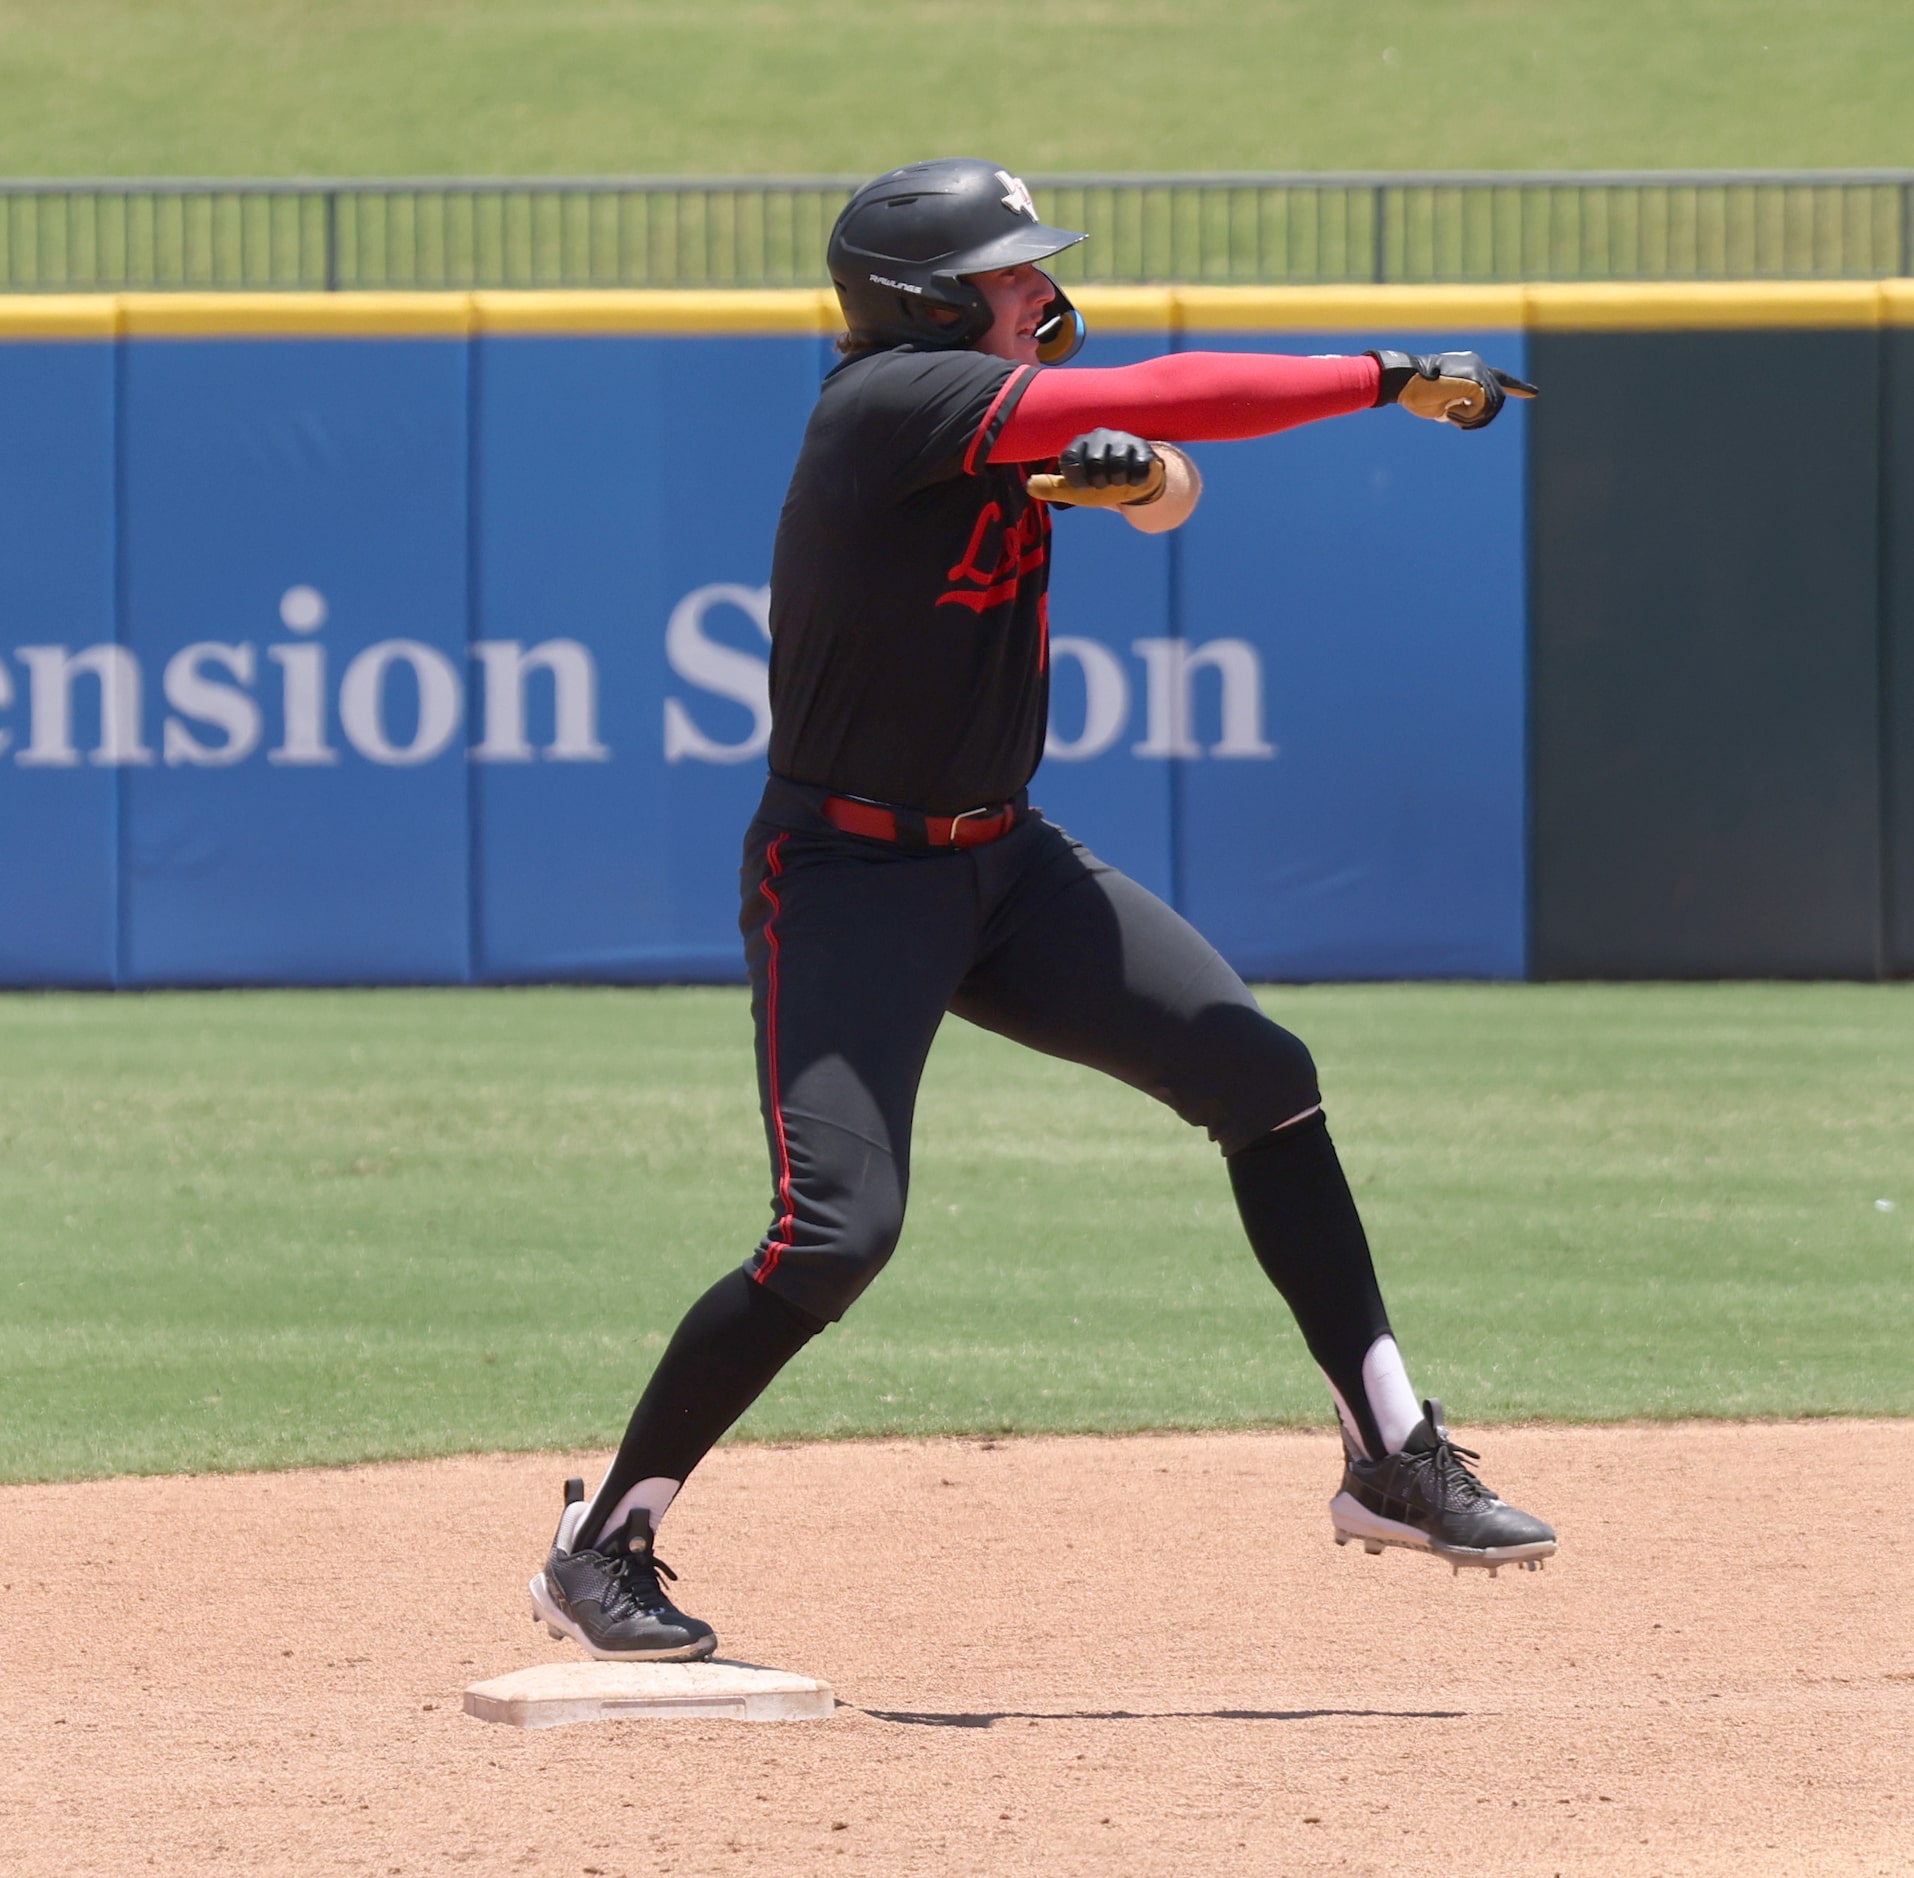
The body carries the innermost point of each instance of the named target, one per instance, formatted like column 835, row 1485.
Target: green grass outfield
column 246, row 1229
column 410, row 87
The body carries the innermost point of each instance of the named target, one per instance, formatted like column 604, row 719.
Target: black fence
column 770, row 232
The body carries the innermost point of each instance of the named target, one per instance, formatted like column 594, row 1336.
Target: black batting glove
column 1109, row 459
column 1458, row 388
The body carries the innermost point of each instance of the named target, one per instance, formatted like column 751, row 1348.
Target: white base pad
column 552, row 1694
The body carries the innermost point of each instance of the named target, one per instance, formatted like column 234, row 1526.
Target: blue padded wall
column 450, row 662
column 622, row 483
column 59, row 824
column 302, row 505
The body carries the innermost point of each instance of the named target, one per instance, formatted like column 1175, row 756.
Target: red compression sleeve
column 1186, row 397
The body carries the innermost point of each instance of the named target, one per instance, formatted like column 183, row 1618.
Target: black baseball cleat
column 606, row 1597
column 1426, row 1498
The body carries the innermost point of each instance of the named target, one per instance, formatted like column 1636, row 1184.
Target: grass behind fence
column 729, row 87
column 274, row 1228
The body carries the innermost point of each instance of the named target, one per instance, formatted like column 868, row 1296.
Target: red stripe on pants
column 779, row 1242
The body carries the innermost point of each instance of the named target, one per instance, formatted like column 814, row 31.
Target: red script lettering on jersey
column 998, row 558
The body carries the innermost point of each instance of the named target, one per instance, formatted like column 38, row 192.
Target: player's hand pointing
column 1458, row 388
column 1104, row 469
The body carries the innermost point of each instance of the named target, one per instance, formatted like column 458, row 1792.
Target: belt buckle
column 989, row 813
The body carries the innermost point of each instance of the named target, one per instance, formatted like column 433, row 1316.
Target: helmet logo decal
column 902, row 286
column 1016, row 195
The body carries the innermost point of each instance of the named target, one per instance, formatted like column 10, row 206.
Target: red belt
column 972, row 829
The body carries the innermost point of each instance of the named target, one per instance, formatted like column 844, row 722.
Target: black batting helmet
column 906, row 244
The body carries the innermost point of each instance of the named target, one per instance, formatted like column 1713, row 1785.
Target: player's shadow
column 989, row 1718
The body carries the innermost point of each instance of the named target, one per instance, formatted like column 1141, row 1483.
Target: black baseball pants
column 857, row 948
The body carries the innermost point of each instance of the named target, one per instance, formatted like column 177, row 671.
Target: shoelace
column 635, row 1587
column 1460, row 1484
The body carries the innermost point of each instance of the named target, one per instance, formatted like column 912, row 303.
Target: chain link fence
column 770, row 232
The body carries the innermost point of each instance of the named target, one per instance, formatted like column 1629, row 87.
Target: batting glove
column 1105, row 469
column 1457, row 388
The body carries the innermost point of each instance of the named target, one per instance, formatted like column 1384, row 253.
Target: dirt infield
column 1057, row 1656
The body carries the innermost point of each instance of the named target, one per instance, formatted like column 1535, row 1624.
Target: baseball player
column 896, row 869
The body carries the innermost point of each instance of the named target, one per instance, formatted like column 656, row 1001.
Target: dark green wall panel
column 1897, row 513
column 1706, row 789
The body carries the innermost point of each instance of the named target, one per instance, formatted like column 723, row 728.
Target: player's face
column 1017, row 297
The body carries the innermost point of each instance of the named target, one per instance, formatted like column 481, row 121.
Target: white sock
column 1392, row 1399
column 654, row 1495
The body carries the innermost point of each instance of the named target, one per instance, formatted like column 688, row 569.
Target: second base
column 552, row 1694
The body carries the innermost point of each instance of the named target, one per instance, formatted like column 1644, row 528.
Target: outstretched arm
column 1186, row 397
column 1217, row 397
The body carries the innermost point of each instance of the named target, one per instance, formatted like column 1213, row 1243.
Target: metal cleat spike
column 1342, row 1538
column 1373, row 1547
column 1493, row 1569
column 553, row 1631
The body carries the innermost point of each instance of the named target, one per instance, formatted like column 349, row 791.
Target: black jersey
column 909, row 656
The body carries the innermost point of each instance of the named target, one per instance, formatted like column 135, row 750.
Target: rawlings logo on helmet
column 1016, row 195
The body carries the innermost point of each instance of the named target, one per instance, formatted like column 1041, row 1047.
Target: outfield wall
column 386, row 638
column 1723, row 641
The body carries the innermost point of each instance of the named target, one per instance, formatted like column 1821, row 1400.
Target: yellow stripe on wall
column 1897, row 302
column 59, row 316
column 1127, row 309
column 1704, row 306
column 764, row 310
column 1337, row 309
column 1687, row 306
column 296, row 315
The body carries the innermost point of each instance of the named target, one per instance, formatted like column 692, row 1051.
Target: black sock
column 1302, row 1224
column 732, row 1342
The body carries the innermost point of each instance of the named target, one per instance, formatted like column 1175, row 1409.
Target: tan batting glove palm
column 1445, row 400
column 1458, row 388
column 1050, row 488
